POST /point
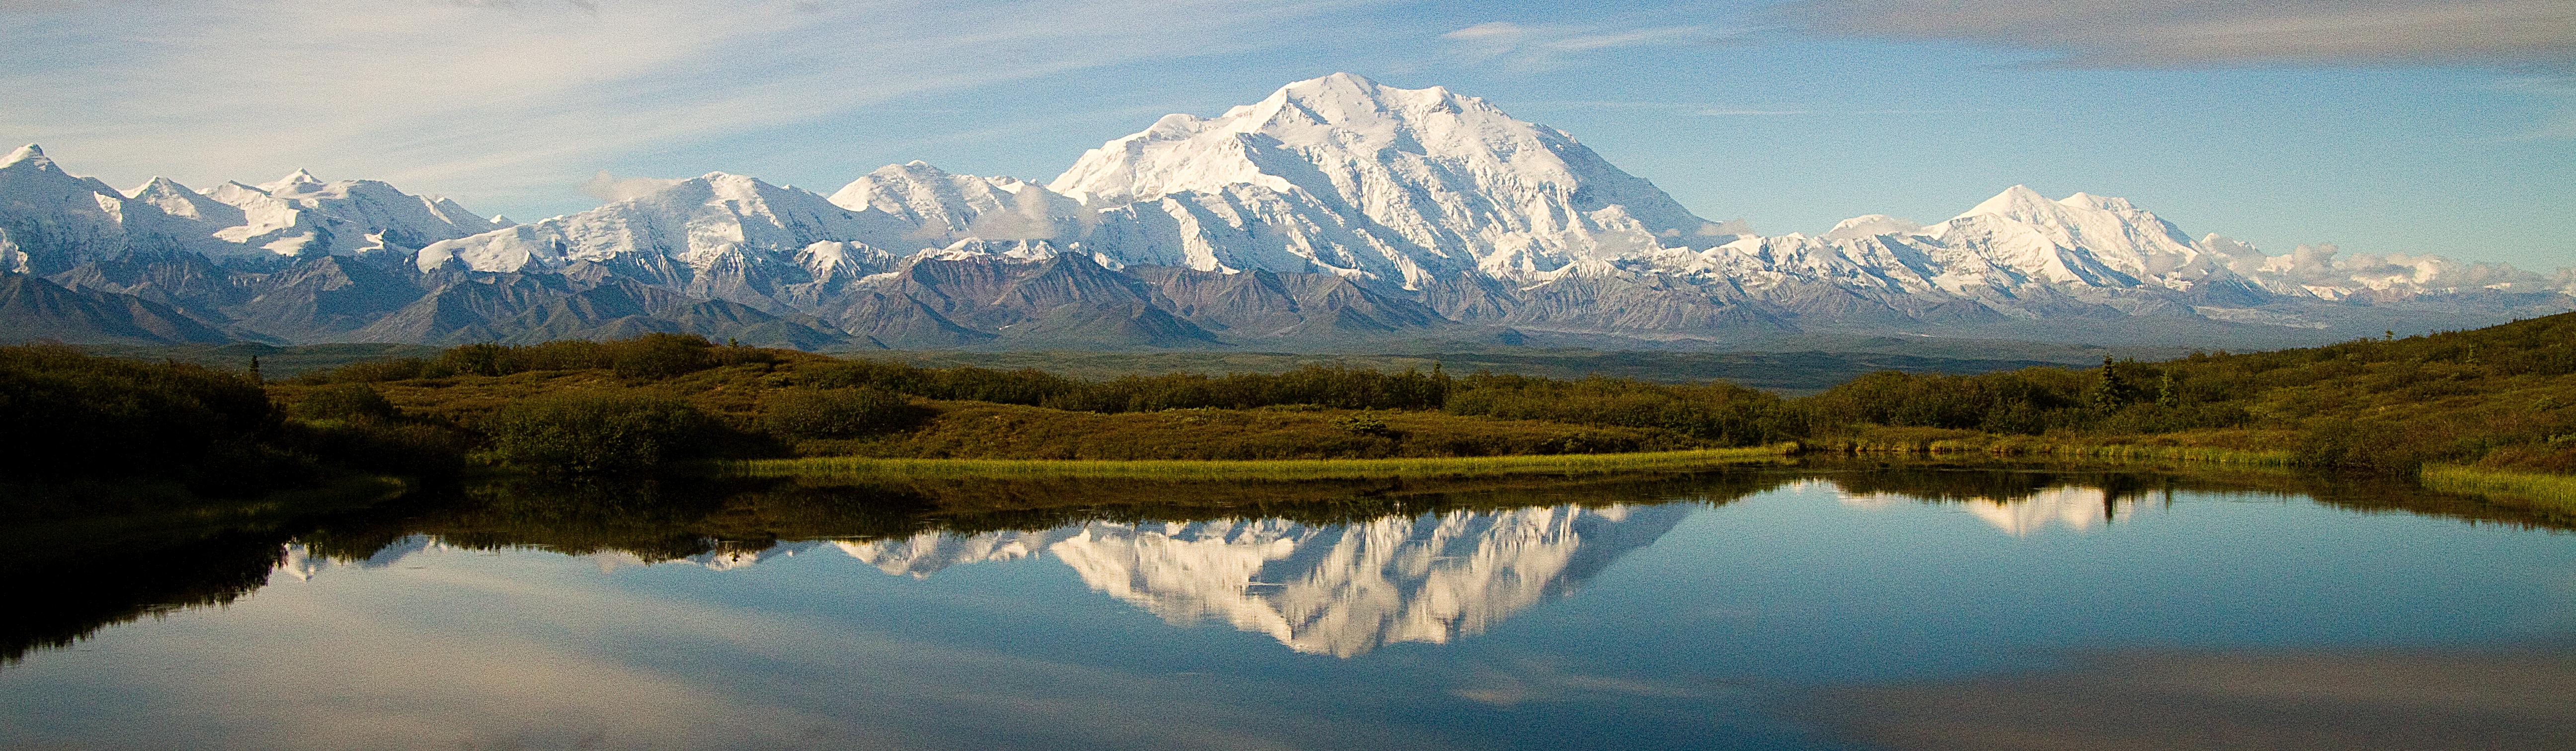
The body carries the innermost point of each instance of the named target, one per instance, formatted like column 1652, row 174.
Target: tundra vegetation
column 2494, row 400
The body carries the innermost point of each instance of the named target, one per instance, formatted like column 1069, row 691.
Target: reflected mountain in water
column 2074, row 507
column 1340, row 589
column 302, row 563
column 1335, row 570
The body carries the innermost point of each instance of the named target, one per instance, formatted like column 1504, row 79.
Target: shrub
column 64, row 413
column 347, row 402
column 1364, row 424
column 595, row 432
column 837, row 413
column 411, row 449
column 658, row 356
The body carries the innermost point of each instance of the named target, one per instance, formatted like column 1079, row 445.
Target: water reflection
column 1906, row 608
column 2073, row 507
column 1338, row 589
column 1324, row 568
column 2355, row 700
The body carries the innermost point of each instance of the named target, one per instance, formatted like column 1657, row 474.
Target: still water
column 1784, row 609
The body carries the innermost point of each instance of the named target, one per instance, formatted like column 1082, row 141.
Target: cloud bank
column 524, row 99
column 2186, row 33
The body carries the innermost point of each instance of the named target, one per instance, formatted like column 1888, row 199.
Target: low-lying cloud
column 611, row 188
column 2324, row 264
column 2185, row 33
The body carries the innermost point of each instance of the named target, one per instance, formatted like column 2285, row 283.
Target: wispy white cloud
column 611, row 188
column 514, row 98
column 1551, row 45
column 1741, row 110
column 2174, row 33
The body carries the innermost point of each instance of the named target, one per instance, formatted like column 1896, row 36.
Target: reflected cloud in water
column 468, row 626
column 2497, row 700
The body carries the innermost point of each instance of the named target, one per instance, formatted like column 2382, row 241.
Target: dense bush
column 1718, row 412
column 415, row 449
column 1025, row 387
column 347, row 402
column 1336, row 388
column 65, row 414
column 837, row 413
column 1339, row 388
column 597, row 432
column 647, row 357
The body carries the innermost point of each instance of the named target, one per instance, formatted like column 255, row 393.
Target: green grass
column 1257, row 470
column 2544, row 491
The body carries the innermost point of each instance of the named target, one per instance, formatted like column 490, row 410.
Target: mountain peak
column 1338, row 84
column 158, row 186
column 2018, row 201
column 1870, row 225
column 1462, row 185
column 31, row 155
column 2103, row 203
column 300, row 178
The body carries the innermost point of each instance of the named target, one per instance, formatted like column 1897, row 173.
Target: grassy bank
column 2542, row 491
column 1258, row 470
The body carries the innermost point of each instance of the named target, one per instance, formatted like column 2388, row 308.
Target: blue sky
column 2382, row 126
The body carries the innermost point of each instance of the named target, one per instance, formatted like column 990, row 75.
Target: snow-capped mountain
column 943, row 209
column 300, row 215
column 1348, row 176
column 1340, row 590
column 51, row 221
column 1335, row 211
column 52, row 218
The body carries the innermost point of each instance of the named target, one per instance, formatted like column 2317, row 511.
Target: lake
column 1816, row 607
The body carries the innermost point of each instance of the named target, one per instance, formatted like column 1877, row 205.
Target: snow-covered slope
column 945, row 209
column 51, row 220
column 301, row 215
column 701, row 223
column 1343, row 174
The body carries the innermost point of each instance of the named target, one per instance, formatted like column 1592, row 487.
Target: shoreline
column 2505, row 487
column 1259, row 469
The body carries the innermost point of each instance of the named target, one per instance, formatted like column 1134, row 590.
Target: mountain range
column 1335, row 213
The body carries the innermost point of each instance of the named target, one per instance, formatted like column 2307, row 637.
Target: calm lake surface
column 1774, row 609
